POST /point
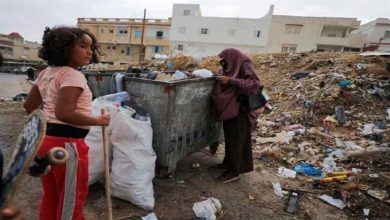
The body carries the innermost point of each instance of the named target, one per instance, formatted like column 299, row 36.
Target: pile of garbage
column 329, row 126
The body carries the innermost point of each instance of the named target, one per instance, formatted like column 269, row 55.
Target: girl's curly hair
column 58, row 42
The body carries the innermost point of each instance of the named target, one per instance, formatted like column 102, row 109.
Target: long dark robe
column 238, row 148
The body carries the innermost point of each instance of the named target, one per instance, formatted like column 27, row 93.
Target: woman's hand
column 223, row 80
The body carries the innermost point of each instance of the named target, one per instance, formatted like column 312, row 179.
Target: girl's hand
column 223, row 79
column 104, row 119
column 11, row 212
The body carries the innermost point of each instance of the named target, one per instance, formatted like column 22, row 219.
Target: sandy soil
column 251, row 197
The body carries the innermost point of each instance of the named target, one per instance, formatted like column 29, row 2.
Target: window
column 114, row 47
column 109, row 47
column 182, row 30
column 258, row 34
column 187, row 12
column 157, row 49
column 180, row 47
column 331, row 34
column 128, row 51
column 203, row 31
column 289, row 48
column 122, row 30
column 111, row 31
column 101, row 30
column 387, row 34
column 122, row 51
column 232, row 32
column 293, row 29
column 159, row 34
column 137, row 34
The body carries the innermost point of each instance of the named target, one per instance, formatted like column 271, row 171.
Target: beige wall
column 18, row 49
column 115, row 36
column 314, row 33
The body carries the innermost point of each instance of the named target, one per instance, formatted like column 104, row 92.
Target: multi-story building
column 377, row 34
column 295, row 33
column 120, row 39
column 196, row 35
column 199, row 36
column 18, row 52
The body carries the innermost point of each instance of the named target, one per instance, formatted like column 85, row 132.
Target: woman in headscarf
column 237, row 78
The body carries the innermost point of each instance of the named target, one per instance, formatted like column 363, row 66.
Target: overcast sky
column 29, row 17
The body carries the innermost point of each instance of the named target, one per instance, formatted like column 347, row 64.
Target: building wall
column 310, row 33
column 375, row 31
column 17, row 52
column 120, row 39
column 193, row 34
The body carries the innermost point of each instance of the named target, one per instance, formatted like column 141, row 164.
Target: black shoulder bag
column 250, row 103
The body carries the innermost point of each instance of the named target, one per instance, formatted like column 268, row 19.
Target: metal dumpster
column 180, row 116
column 100, row 83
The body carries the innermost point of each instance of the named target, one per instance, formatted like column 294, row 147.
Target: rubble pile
column 329, row 124
column 329, row 128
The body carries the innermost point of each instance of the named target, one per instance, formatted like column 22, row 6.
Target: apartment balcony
column 334, row 41
column 351, row 40
column 124, row 21
column 151, row 41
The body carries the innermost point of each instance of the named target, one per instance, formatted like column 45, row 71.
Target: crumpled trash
column 298, row 75
column 373, row 128
column 307, row 169
column 335, row 202
column 20, row 97
column 377, row 193
column 180, row 75
column 150, row 216
column 277, row 189
column 202, row 73
column 286, row 173
column 339, row 115
column 207, row 209
column 344, row 83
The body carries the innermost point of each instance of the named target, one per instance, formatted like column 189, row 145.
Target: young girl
column 63, row 93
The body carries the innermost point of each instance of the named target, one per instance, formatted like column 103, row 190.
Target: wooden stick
column 107, row 169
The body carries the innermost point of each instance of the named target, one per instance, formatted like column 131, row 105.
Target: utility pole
column 142, row 49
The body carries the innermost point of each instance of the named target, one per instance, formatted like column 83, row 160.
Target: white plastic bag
column 133, row 164
column 94, row 139
column 202, row 73
column 208, row 208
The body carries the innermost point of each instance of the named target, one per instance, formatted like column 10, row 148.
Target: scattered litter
column 366, row 212
column 307, row 169
column 292, row 204
column 278, row 189
column 195, row 165
column 335, row 202
column 377, row 193
column 20, row 97
column 208, row 208
column 373, row 175
column 150, row 216
column 286, row 173
column 250, row 197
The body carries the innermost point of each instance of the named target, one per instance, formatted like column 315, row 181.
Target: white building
column 295, row 33
column 377, row 34
column 195, row 35
column 198, row 36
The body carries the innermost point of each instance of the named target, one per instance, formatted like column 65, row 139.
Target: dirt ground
column 252, row 196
